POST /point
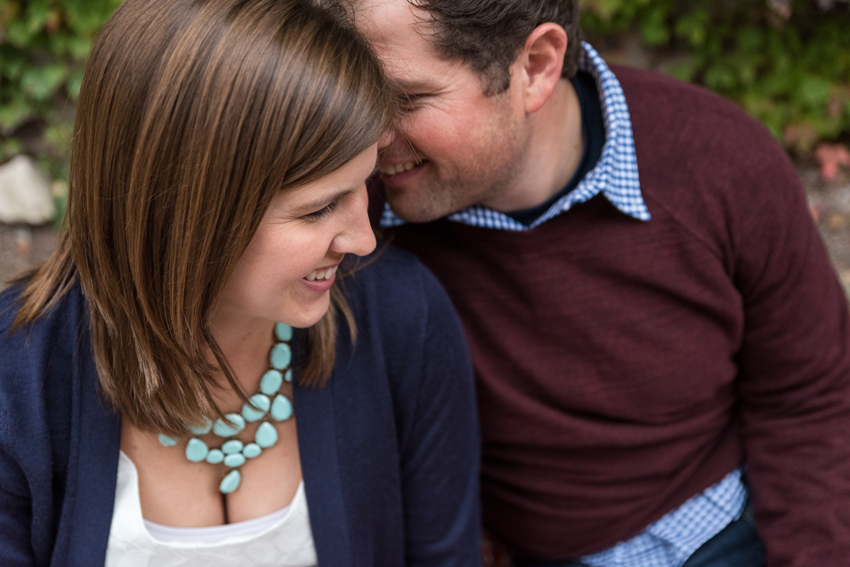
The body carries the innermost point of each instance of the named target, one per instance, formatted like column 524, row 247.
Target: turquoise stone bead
column 230, row 482
column 260, row 404
column 283, row 332
column 235, row 460
column 270, row 382
column 232, row 446
column 288, row 375
column 215, row 456
column 266, row 435
column 252, row 450
column 281, row 408
column 166, row 441
column 224, row 429
column 202, row 429
column 196, row 450
column 280, row 356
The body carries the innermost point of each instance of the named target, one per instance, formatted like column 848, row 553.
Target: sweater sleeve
column 16, row 389
column 440, row 453
column 794, row 384
column 15, row 510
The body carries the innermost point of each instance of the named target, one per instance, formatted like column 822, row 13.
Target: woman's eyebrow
column 324, row 201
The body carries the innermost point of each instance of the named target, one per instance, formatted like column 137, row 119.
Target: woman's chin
column 307, row 314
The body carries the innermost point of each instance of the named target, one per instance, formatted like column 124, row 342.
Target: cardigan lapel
column 98, row 440
column 314, row 410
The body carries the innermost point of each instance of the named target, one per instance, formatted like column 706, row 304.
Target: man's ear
column 539, row 64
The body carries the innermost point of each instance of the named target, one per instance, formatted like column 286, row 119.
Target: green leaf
column 11, row 65
column 79, row 47
column 603, row 9
column 684, row 70
column 18, row 34
column 38, row 11
column 720, row 77
column 75, row 81
column 813, row 92
column 14, row 114
column 59, row 136
column 11, row 147
column 693, row 27
column 61, row 202
column 42, row 82
column 750, row 39
column 86, row 16
column 654, row 27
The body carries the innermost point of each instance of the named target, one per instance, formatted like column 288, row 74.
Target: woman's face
column 287, row 271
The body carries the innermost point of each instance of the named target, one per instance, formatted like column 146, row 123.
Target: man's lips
column 396, row 176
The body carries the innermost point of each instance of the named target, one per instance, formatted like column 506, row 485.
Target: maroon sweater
column 625, row 366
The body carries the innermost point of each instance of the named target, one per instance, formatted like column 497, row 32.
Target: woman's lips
column 320, row 280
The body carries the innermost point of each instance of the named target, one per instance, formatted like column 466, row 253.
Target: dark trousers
column 737, row 545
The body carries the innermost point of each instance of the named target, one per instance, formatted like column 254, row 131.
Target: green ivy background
column 787, row 62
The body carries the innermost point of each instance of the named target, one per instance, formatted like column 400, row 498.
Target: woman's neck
column 245, row 343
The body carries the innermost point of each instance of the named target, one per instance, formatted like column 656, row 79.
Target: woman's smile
column 307, row 230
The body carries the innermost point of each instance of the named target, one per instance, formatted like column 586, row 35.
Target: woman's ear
column 539, row 64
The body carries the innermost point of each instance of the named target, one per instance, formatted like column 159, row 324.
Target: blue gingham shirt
column 669, row 541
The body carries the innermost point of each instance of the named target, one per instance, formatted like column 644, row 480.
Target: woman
column 147, row 415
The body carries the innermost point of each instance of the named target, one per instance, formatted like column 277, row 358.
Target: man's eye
column 323, row 212
column 409, row 102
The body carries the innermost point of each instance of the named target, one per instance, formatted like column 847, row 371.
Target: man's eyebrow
column 406, row 86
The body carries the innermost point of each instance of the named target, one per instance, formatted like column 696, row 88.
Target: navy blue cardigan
column 389, row 447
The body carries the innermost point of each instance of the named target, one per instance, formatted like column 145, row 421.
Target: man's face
column 454, row 146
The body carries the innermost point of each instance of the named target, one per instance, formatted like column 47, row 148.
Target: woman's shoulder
column 406, row 321
column 61, row 318
column 37, row 356
column 398, row 282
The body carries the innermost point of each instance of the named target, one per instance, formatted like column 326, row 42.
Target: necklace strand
column 267, row 405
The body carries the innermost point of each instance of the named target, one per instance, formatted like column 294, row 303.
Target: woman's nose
column 357, row 237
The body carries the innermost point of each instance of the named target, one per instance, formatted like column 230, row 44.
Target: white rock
column 25, row 193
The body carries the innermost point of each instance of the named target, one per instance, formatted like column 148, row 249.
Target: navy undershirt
column 593, row 129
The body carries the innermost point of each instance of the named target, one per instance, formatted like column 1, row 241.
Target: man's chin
column 407, row 207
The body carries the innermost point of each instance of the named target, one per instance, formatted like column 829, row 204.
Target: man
column 660, row 342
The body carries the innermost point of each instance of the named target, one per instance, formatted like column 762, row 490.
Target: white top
column 281, row 539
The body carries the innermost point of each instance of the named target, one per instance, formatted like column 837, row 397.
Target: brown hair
column 488, row 34
column 192, row 114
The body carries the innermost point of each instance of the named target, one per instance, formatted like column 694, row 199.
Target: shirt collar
column 615, row 176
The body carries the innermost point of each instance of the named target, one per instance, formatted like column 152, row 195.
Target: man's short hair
column 488, row 34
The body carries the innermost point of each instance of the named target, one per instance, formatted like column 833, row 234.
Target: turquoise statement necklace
column 266, row 405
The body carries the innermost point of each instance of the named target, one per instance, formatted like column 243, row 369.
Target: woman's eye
column 323, row 212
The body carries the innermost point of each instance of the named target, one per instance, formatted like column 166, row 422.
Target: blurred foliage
column 787, row 62
column 43, row 47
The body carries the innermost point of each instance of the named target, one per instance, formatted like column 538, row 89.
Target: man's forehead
column 394, row 25
column 399, row 33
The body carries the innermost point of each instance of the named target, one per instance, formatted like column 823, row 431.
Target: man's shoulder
column 670, row 113
column 661, row 95
column 690, row 140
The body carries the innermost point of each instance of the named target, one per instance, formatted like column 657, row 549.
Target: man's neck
column 554, row 152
